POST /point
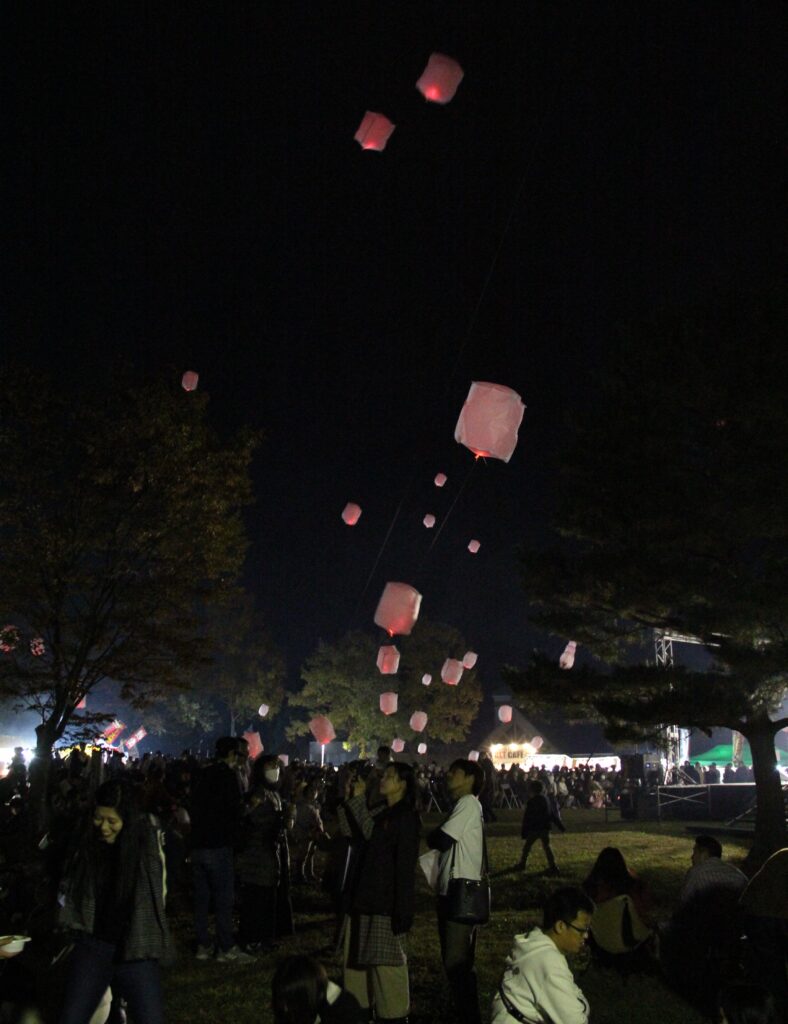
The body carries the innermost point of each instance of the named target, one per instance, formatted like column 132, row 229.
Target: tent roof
column 519, row 730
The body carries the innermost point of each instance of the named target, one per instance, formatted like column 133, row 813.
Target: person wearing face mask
column 263, row 865
column 112, row 894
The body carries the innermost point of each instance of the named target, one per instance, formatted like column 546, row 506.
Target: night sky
column 184, row 190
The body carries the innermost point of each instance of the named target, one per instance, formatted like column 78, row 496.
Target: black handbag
column 468, row 900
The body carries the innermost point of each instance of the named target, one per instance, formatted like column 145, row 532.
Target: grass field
column 210, row 992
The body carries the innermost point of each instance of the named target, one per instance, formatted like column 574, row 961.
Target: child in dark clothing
column 537, row 820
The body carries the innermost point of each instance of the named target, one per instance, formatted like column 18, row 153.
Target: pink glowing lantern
column 255, row 744
column 398, row 609
column 505, row 713
column 388, row 703
column 263, row 710
column 426, row 679
column 567, row 659
column 322, row 729
column 82, row 704
column 398, row 745
column 285, row 759
column 451, row 672
column 388, row 660
column 489, row 421
column 440, row 479
column 537, row 742
column 418, row 721
column 473, row 755
column 440, row 78
column 190, row 380
column 469, row 659
column 429, row 520
column 9, row 638
column 374, row 131
column 351, row 513
column 37, row 646
column 422, row 748
column 474, row 546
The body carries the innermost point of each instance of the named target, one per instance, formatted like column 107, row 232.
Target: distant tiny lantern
column 418, row 721
column 351, row 513
column 505, row 713
column 440, row 78
column 388, row 660
column 474, row 546
column 374, row 131
column 429, row 520
column 388, row 703
column 473, row 755
column 398, row 745
column 489, row 420
column 537, row 742
column 469, row 659
column 422, row 748
column 190, row 380
column 398, row 609
column 285, row 759
column 322, row 729
column 567, row 659
column 37, row 646
column 263, row 710
column 451, row 672
column 426, row 679
column 82, row 704
column 440, row 479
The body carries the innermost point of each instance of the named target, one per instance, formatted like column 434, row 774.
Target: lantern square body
column 82, row 704
column 388, row 703
column 451, row 672
column 422, row 748
column 489, row 420
column 351, row 513
column 440, row 479
column 505, row 713
column 374, row 131
column 537, row 742
column 398, row 609
column 388, row 660
column 398, row 745
column 429, row 520
column 473, row 546
column 469, row 659
column 567, row 659
column 285, row 759
column 473, row 755
column 255, row 744
column 426, row 679
column 418, row 721
column 263, row 710
column 189, row 380
column 322, row 729
column 440, row 79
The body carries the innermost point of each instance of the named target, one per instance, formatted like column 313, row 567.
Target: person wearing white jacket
column 537, row 985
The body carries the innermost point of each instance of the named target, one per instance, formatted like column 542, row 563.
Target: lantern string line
column 394, row 519
column 445, row 519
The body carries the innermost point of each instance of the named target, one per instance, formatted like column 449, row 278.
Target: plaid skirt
column 372, row 942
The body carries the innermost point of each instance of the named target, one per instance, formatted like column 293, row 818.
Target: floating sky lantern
column 388, row 660
column 398, row 609
column 398, row 745
column 567, row 659
column 263, row 710
column 537, row 742
column 374, row 131
column 255, row 744
column 82, row 704
column 473, row 755
column 505, row 713
column 322, row 729
column 426, row 679
column 429, row 520
column 440, row 78
column 351, row 513
column 469, row 659
column 285, row 759
column 418, row 721
column 451, row 672
column 190, row 380
column 37, row 646
column 388, row 703
column 474, row 546
column 489, row 420
column 440, row 479
column 422, row 748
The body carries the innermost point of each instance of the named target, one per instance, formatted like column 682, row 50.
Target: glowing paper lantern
column 398, row 746
column 255, row 744
column 489, row 420
column 285, row 759
column 388, row 660
column 418, row 721
column 567, row 659
column 263, row 710
column 322, row 729
column 473, row 755
column 429, row 520
column 537, row 742
column 440, row 78
column 440, row 479
column 426, row 679
column 451, row 672
column 505, row 713
column 82, row 704
column 189, row 380
column 469, row 659
column 388, row 703
column 374, row 131
column 474, row 546
column 422, row 748
column 351, row 513
column 398, row 609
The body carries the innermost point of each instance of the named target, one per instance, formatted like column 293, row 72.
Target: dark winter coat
column 538, row 816
column 215, row 808
column 263, row 855
column 387, row 877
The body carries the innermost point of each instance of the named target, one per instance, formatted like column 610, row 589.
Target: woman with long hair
column 112, row 894
column 302, row 994
column 382, row 898
column 621, row 925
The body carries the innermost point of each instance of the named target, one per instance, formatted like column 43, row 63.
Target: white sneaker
column 204, row 953
column 234, row 955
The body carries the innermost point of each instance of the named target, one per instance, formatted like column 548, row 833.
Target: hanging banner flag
column 135, row 737
column 113, row 730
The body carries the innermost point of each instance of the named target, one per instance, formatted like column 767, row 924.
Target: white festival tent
column 511, row 744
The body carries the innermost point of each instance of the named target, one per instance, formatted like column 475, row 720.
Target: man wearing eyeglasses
column 537, row 985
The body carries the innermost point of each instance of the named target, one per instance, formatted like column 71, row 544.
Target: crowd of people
column 231, row 838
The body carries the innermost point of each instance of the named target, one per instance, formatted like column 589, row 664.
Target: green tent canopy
column 722, row 754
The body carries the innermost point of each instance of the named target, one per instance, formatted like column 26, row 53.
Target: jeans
column 258, row 914
column 213, row 877
column 458, row 950
column 92, row 969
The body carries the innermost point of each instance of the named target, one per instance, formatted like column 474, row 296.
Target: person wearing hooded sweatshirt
column 537, row 985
